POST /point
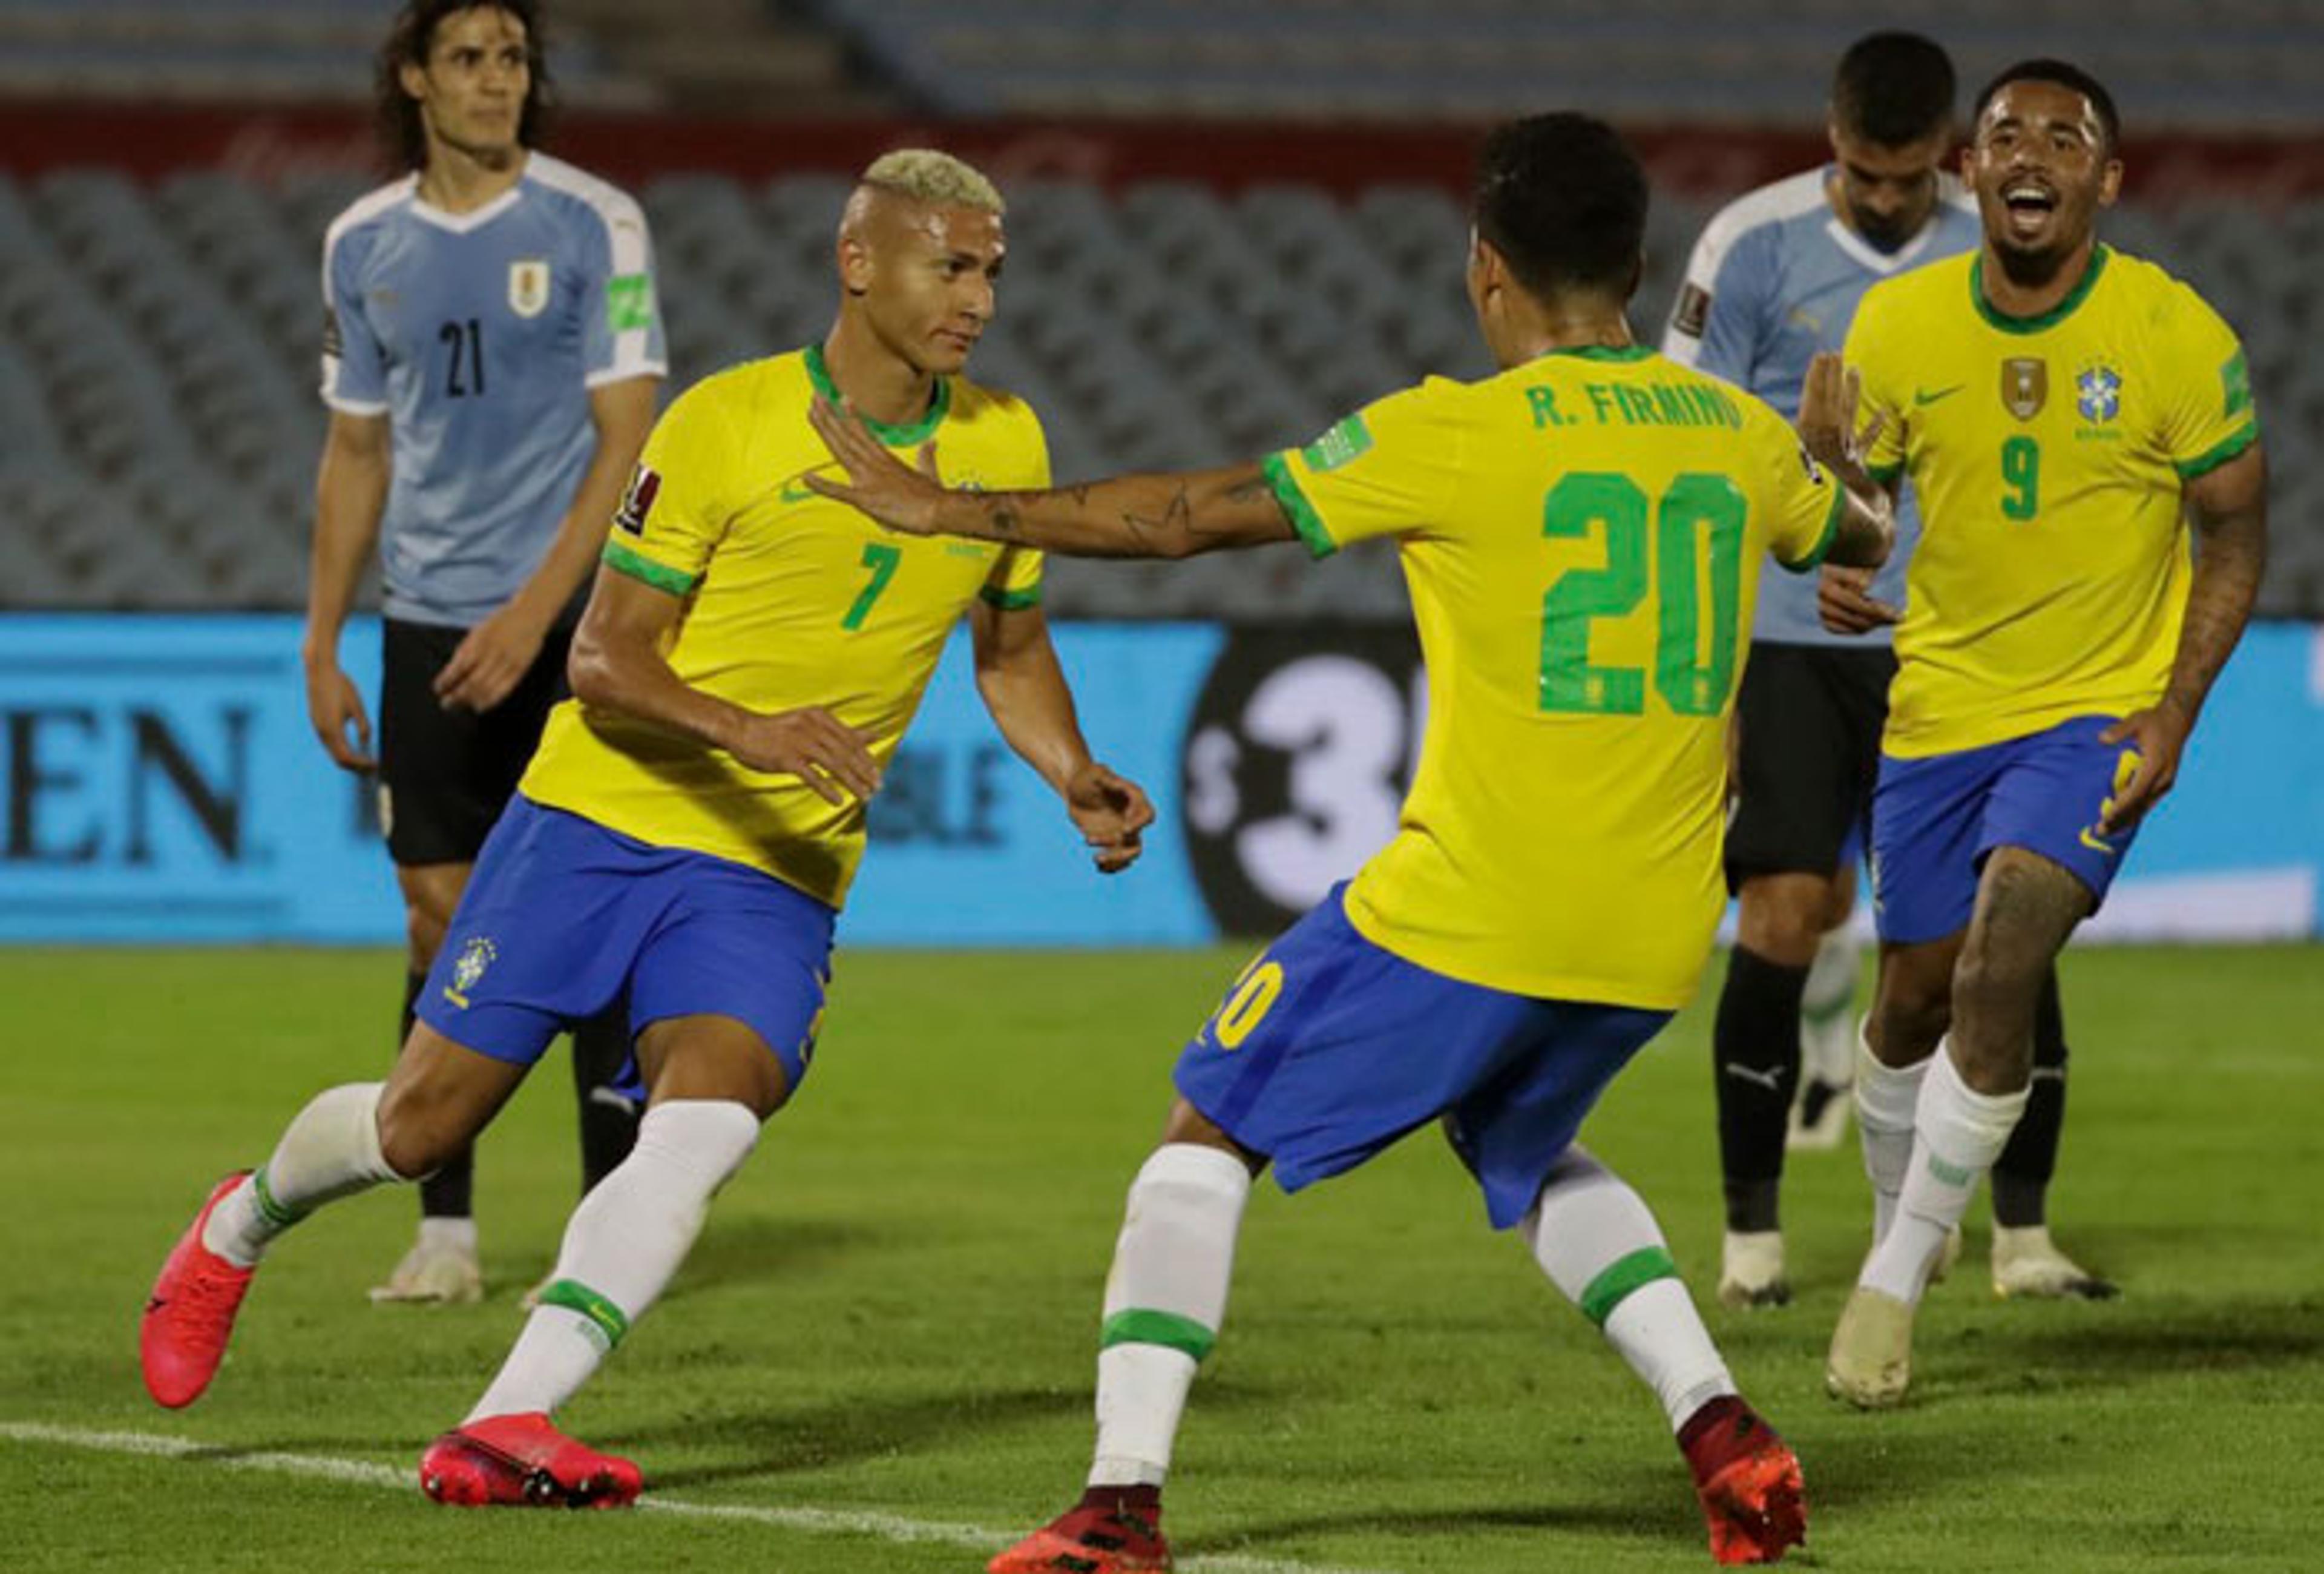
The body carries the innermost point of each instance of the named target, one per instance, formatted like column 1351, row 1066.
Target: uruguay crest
column 2024, row 385
column 528, row 286
column 2097, row 393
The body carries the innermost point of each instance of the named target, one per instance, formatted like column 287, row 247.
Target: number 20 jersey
column 1583, row 535
column 479, row 336
column 2048, row 454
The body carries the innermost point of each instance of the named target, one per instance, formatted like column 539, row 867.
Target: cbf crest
column 2097, row 393
column 2024, row 385
column 474, row 957
column 528, row 286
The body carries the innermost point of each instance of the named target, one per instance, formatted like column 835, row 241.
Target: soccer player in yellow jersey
column 748, row 661
column 1583, row 535
column 2060, row 408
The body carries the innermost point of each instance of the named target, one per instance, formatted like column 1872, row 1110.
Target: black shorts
column 444, row 775
column 1808, row 720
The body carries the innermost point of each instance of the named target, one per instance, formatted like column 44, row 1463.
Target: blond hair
column 936, row 179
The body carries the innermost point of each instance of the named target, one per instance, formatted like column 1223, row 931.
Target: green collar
column 1635, row 352
column 895, row 437
column 2047, row 320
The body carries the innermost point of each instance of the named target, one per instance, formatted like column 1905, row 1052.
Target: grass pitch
column 883, row 1344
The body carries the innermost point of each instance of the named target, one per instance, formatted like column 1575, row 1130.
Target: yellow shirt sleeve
column 670, row 519
column 1391, row 468
column 1015, row 582
column 2209, row 417
column 1805, row 501
column 1867, row 354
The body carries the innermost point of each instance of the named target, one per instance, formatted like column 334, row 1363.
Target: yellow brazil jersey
column 791, row 599
column 2047, row 454
column 1583, row 536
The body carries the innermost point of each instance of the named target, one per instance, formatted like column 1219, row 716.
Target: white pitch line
column 886, row 1527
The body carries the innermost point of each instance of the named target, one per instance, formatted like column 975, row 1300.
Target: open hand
column 831, row 757
column 878, row 483
column 1826, row 422
column 1112, row 813
column 1844, row 602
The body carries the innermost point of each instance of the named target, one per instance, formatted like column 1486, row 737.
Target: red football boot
column 524, row 1462
column 181, row 1338
column 1750, row 1482
column 1094, row 1537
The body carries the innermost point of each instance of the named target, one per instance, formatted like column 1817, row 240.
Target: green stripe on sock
column 1167, row 1328
column 574, row 1296
column 275, row 1213
column 1617, row 1279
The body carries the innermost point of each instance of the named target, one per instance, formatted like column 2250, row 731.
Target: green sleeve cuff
column 1011, row 601
column 2218, row 453
column 1885, row 474
column 639, row 567
column 1831, row 529
column 1296, row 506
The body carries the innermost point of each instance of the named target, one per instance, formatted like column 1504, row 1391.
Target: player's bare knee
column 415, row 1137
column 1782, row 917
column 713, row 1057
column 1188, row 1124
column 423, row 933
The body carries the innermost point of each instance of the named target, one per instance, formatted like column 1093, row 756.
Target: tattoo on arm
column 2229, row 561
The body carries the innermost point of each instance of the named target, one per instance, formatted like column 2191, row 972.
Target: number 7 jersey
column 1583, row 536
column 791, row 599
column 2048, row 455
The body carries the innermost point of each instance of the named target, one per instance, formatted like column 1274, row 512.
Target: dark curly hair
column 1561, row 198
column 401, row 132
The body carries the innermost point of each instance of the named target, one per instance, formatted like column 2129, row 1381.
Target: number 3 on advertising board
column 1698, row 517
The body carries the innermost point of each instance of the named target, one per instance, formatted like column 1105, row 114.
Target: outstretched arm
column 1024, row 688
column 2228, row 510
column 1131, row 516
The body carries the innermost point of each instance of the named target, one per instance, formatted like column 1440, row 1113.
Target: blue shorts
column 1329, row 1049
column 1935, row 819
column 562, row 917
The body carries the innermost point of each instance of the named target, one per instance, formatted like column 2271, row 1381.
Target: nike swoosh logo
column 2096, row 843
column 1924, row 397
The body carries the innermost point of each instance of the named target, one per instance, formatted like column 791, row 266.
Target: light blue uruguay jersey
column 478, row 336
column 1774, row 279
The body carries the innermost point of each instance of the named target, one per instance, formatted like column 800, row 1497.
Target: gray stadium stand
column 157, row 358
column 1701, row 60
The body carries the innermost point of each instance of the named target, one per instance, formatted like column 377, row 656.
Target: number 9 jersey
column 2048, row 454
column 1583, row 536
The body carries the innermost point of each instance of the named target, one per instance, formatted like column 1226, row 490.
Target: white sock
column 1885, row 1098
column 1594, row 1237
column 623, row 1242
column 329, row 1150
column 448, row 1234
column 1164, row 1304
column 1957, row 1134
column 1824, row 1001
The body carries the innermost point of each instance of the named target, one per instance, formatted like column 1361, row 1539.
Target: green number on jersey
column 1699, row 515
column 1568, row 681
column 2021, row 469
column 881, row 559
column 1694, row 681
